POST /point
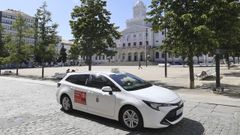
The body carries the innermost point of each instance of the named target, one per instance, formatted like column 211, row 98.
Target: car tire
column 131, row 118
column 66, row 103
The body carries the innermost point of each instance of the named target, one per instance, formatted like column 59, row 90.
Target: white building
column 138, row 41
column 8, row 17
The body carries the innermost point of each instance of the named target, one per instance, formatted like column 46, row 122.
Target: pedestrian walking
column 68, row 70
column 139, row 65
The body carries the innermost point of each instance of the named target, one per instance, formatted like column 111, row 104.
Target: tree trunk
column 217, row 59
column 191, row 72
column 183, row 61
column 238, row 59
column 42, row 70
column 89, row 63
column 234, row 62
column 228, row 61
column 0, row 70
column 165, row 65
column 17, row 69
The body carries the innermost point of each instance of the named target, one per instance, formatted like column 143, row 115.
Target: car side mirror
column 107, row 89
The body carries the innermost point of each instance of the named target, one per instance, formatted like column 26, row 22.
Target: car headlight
column 156, row 106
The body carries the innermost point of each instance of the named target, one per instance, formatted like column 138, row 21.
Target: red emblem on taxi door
column 80, row 97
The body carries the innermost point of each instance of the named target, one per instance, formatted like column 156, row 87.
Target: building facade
column 7, row 19
column 66, row 43
column 139, row 42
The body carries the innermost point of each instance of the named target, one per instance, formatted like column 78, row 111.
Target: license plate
column 179, row 111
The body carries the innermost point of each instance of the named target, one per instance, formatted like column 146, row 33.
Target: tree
column 187, row 33
column 51, row 53
column 18, row 50
column 45, row 36
column 4, row 55
column 63, row 54
column 224, row 20
column 1, row 47
column 91, row 27
column 74, row 53
column 36, row 33
column 1, row 39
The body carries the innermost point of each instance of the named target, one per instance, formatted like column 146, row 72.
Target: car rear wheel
column 131, row 118
column 66, row 103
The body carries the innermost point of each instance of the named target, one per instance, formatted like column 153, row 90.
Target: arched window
column 123, row 56
column 141, row 56
column 135, row 56
column 129, row 56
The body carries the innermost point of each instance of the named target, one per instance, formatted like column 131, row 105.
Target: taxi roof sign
column 115, row 70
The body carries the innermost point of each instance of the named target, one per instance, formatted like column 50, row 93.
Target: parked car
column 122, row 97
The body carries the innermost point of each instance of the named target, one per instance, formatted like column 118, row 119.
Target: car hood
column 155, row 94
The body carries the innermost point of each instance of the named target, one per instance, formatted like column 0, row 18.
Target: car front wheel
column 66, row 103
column 131, row 118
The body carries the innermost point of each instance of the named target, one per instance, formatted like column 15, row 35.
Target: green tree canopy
column 223, row 19
column 17, row 48
column 74, row 52
column 91, row 27
column 63, row 54
column 3, row 40
column 187, row 33
column 2, row 48
column 196, row 27
column 46, row 37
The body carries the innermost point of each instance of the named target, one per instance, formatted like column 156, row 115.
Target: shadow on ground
column 229, row 90
column 32, row 77
column 232, row 74
column 185, row 127
column 171, row 87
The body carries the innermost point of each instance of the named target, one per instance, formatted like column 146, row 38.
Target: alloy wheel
column 130, row 118
column 66, row 103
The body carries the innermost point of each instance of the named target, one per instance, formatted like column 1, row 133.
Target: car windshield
column 130, row 82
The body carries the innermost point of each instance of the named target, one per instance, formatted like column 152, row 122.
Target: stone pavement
column 30, row 107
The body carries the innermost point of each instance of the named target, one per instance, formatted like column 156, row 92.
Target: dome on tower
column 139, row 3
column 139, row 10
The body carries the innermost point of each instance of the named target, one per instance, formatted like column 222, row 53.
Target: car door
column 78, row 91
column 100, row 102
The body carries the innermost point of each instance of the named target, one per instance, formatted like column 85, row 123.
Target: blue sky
column 61, row 9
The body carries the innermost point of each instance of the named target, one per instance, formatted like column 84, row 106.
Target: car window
column 99, row 81
column 78, row 79
column 130, row 82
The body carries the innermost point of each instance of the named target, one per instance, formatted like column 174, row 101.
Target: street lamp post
column 146, row 47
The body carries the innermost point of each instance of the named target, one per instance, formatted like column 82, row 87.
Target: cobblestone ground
column 30, row 107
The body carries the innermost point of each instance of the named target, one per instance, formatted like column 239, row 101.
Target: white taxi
column 122, row 97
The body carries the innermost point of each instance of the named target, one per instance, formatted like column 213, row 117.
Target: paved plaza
column 30, row 107
column 178, row 76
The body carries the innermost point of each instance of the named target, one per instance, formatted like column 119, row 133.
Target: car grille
column 171, row 116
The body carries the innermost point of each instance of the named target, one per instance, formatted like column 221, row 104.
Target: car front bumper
column 160, row 119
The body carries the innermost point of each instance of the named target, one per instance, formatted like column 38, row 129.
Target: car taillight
column 58, row 84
